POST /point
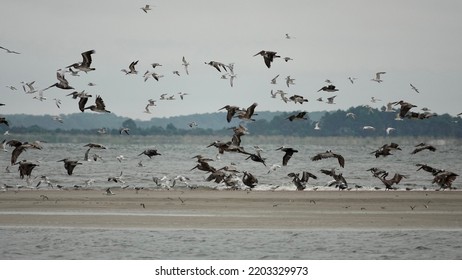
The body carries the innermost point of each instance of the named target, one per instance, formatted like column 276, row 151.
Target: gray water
column 176, row 159
column 82, row 243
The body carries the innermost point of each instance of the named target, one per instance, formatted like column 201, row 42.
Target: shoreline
column 215, row 209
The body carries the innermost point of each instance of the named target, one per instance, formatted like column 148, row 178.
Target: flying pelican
column 248, row 113
column 405, row 107
column 298, row 99
column 25, row 168
column 150, row 153
column 21, row 147
column 249, row 179
column 125, row 130
column 288, row 154
column 62, row 82
column 85, row 64
column 217, row 65
column 99, row 106
column 330, row 154
column 298, row 116
column 146, row 8
column 4, row 121
column 422, row 146
column 232, row 110
column 268, row 57
column 328, row 88
column 377, row 77
column 131, row 68
column 9, row 51
column 389, row 182
column 69, row 165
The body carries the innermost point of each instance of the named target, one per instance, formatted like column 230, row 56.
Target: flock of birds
column 227, row 175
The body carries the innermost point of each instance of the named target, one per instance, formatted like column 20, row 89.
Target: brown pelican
column 131, row 68
column 339, row 181
column 257, row 158
column 231, row 111
column 420, row 116
column 422, row 146
column 116, row 179
column 25, row 168
column 249, row 179
column 386, row 149
column 69, row 165
column 268, row 57
column 217, row 65
column 21, row 147
column 425, row 167
column 150, row 153
column 4, row 121
column 377, row 172
column 62, row 82
column 288, row 154
column 95, row 146
column 405, row 107
column 85, row 64
column 98, row 107
column 389, row 182
column 146, row 8
column 377, row 77
column 298, row 116
column 248, row 113
column 444, row 179
column 330, row 154
column 328, row 88
column 298, row 99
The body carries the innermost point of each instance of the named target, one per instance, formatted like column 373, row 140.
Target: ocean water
column 84, row 243
column 176, row 159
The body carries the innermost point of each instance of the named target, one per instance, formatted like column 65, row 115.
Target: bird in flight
column 146, row 8
column 268, row 57
column 131, row 68
column 9, row 51
column 414, row 88
column 377, row 77
column 85, row 64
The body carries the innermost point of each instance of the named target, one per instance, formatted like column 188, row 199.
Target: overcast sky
column 414, row 42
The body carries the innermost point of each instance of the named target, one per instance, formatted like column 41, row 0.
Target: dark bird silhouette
column 298, row 99
column 25, row 168
column 390, row 182
column 62, row 82
column 300, row 183
column 288, row 154
column 444, row 179
column 422, row 146
column 298, row 116
column 131, row 68
column 99, row 106
column 330, row 154
column 386, row 149
column 405, row 107
column 150, row 153
column 425, row 167
column 249, row 180
column 217, row 65
column 4, row 121
column 248, row 113
column 328, row 88
column 21, row 147
column 338, row 179
column 257, row 158
column 268, row 57
column 231, row 111
column 95, row 146
column 85, row 64
column 69, row 165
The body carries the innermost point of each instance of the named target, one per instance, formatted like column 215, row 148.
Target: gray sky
column 414, row 42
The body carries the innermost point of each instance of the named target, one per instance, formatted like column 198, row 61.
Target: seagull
column 182, row 94
column 124, row 130
column 176, row 72
column 330, row 154
column 273, row 80
column 9, row 51
column 131, row 68
column 185, row 64
column 57, row 118
column 146, row 8
column 288, row 154
column 389, row 130
column 4, row 121
column 414, row 88
column 286, row 59
column 289, row 81
column 146, row 109
column 368, row 127
column 12, row 87
column 352, row 79
column 85, row 64
column 330, row 100
column 99, row 106
column 377, row 77
column 351, row 115
column 30, row 86
column 288, row 36
column 268, row 57
column 316, row 126
column 155, row 64
column 57, row 102
column 374, row 100
column 109, row 192
column 116, row 179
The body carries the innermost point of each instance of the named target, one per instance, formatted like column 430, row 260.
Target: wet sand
column 209, row 209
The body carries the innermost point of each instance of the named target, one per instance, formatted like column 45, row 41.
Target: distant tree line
column 335, row 123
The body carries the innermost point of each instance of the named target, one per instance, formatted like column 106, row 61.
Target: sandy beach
column 209, row 209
